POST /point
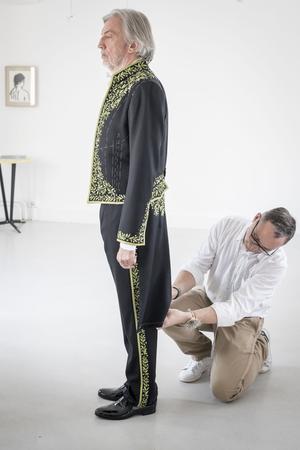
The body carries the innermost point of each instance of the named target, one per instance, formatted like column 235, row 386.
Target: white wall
column 231, row 71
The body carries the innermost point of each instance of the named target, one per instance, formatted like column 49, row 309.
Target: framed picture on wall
column 20, row 86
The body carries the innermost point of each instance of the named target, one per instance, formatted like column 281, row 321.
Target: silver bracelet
column 193, row 322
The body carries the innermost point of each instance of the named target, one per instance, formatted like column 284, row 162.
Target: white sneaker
column 195, row 369
column 267, row 364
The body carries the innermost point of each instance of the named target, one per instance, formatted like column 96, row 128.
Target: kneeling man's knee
column 223, row 392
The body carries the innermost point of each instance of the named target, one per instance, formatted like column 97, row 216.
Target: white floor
column 60, row 340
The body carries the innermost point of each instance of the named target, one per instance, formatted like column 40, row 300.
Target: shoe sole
column 265, row 370
column 134, row 412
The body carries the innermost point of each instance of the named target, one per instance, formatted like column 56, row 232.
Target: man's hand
column 126, row 258
column 175, row 317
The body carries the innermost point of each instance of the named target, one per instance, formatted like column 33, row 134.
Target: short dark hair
column 18, row 78
column 284, row 223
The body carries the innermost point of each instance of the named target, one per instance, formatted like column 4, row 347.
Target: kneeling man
column 244, row 263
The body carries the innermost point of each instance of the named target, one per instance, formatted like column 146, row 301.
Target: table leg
column 9, row 219
column 12, row 198
column 3, row 195
column 12, row 191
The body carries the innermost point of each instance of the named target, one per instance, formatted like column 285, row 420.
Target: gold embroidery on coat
column 157, row 203
column 101, row 191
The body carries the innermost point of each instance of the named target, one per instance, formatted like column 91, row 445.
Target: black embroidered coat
column 131, row 149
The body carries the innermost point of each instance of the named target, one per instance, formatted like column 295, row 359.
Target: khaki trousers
column 238, row 351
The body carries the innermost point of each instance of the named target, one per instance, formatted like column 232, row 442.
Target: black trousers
column 135, row 295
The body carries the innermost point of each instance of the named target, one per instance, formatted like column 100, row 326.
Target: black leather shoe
column 112, row 394
column 122, row 409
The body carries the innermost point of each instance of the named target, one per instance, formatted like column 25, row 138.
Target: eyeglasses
column 258, row 244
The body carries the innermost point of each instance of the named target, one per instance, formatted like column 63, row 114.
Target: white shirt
column 129, row 247
column 239, row 283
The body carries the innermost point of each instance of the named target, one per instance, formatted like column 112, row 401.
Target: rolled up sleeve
column 253, row 297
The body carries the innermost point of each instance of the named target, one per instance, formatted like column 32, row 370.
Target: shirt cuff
column 129, row 247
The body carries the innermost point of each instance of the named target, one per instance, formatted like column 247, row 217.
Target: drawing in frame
column 20, row 86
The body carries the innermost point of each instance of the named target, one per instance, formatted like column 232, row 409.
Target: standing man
column 245, row 263
column 128, row 179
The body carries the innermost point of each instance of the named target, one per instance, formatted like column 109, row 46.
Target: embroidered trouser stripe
column 141, row 339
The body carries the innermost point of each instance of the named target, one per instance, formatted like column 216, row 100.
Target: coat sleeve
column 147, row 123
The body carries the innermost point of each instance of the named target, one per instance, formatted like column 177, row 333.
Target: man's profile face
column 113, row 46
column 20, row 85
column 260, row 237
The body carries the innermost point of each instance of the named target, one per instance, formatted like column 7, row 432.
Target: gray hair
column 137, row 29
column 284, row 223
